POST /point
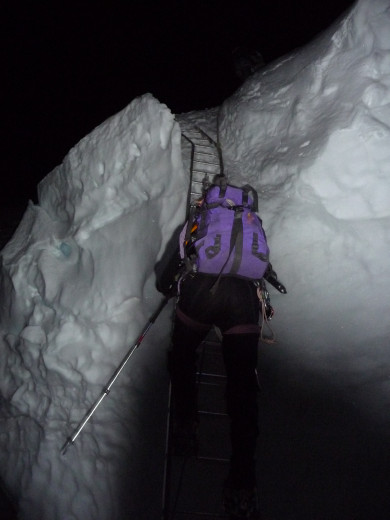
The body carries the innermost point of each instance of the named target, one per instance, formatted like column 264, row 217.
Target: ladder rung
column 199, row 141
column 200, row 513
column 213, row 167
column 205, row 162
column 207, row 153
column 217, row 414
column 201, row 171
column 206, row 374
column 209, row 146
column 215, row 459
column 200, row 138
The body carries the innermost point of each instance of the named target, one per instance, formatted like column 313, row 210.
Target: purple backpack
column 229, row 238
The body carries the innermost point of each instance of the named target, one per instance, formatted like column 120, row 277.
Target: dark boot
column 241, row 503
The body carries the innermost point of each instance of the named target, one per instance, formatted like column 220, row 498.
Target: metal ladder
column 202, row 156
column 193, row 485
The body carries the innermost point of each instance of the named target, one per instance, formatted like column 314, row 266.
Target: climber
column 223, row 250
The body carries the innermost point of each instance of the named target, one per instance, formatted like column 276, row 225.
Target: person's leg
column 240, row 355
column 182, row 369
column 240, row 490
column 192, row 323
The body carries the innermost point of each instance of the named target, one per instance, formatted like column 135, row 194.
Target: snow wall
column 77, row 288
column 311, row 133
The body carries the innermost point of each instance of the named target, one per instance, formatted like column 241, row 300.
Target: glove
column 167, row 279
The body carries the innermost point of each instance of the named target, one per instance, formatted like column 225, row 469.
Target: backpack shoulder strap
column 247, row 188
column 221, row 181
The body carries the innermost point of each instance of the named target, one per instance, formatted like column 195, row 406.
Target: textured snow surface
column 311, row 133
column 77, row 289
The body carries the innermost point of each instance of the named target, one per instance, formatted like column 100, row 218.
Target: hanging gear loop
column 106, row 390
column 267, row 312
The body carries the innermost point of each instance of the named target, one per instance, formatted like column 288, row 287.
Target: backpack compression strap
column 236, row 242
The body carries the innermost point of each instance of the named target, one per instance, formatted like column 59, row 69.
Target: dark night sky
column 68, row 66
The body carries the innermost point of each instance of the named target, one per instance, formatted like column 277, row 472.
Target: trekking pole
column 106, row 390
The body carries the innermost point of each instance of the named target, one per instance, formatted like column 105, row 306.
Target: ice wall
column 77, row 286
column 312, row 132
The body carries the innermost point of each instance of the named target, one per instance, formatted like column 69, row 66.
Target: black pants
column 234, row 308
